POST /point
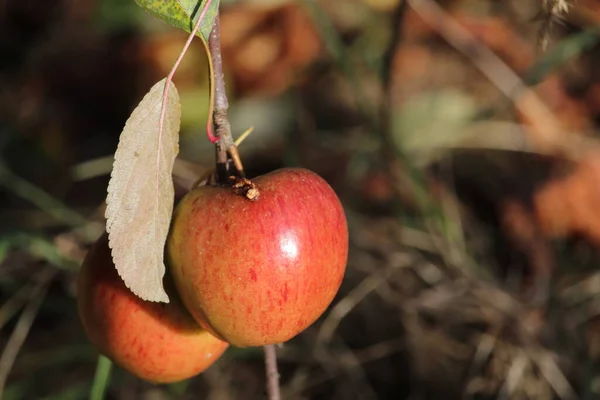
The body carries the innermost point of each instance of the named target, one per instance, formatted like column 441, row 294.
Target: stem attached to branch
column 161, row 122
column 225, row 145
column 272, row 373
column 226, row 149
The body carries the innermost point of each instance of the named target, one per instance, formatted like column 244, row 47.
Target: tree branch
column 225, row 145
column 272, row 373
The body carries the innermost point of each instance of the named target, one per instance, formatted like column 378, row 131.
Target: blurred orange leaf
column 569, row 205
column 265, row 47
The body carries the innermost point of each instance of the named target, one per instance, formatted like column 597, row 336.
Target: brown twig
column 225, row 145
column 273, row 392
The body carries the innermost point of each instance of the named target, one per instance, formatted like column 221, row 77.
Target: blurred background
column 461, row 136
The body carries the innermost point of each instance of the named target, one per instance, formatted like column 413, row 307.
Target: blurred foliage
column 474, row 245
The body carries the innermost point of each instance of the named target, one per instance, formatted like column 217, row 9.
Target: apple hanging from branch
column 158, row 342
column 257, row 272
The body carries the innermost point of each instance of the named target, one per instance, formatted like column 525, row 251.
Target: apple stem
column 225, row 146
column 273, row 392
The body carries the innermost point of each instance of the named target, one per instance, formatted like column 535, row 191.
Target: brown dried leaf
column 569, row 206
column 139, row 204
column 267, row 46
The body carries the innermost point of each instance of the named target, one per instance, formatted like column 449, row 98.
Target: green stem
column 211, row 85
column 101, row 379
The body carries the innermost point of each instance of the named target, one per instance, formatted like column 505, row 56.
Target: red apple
column 259, row 272
column 158, row 342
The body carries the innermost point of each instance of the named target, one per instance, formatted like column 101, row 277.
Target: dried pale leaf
column 139, row 204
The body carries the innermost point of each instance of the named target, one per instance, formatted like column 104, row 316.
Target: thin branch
column 222, row 129
column 225, row 145
column 214, row 45
column 273, row 392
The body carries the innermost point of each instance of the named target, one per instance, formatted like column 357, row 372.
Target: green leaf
column 432, row 122
column 565, row 51
column 183, row 14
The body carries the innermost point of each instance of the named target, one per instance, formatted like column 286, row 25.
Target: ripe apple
column 259, row 272
column 158, row 342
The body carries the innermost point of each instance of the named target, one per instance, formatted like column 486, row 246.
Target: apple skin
column 158, row 342
column 259, row 272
